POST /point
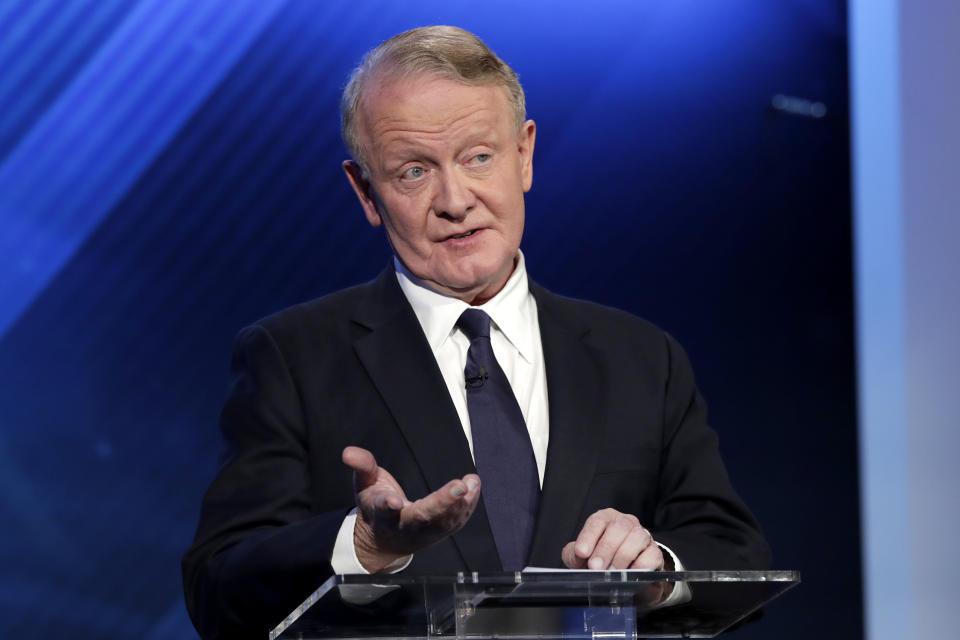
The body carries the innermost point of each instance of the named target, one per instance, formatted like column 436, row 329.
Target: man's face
column 447, row 174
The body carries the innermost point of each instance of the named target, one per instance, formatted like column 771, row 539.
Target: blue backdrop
column 169, row 172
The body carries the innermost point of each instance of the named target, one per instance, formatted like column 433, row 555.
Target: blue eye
column 413, row 173
column 481, row 158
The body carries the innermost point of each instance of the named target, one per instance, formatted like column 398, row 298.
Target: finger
column 446, row 510
column 364, row 466
column 570, row 559
column 649, row 558
column 450, row 502
column 472, row 481
column 613, row 536
column 380, row 504
column 593, row 528
column 632, row 546
column 386, row 501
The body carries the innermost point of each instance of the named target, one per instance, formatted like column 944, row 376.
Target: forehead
column 393, row 108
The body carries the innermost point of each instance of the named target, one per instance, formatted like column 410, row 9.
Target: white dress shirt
column 514, row 335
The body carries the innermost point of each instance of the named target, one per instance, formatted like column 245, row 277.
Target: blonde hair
column 447, row 52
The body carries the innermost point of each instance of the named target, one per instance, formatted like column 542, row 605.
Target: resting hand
column 389, row 526
column 613, row 540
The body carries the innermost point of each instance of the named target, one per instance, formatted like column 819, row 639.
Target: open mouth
column 463, row 235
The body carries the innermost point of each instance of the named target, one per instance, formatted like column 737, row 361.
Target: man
column 417, row 380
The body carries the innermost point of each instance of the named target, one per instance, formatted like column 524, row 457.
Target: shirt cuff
column 681, row 590
column 344, row 560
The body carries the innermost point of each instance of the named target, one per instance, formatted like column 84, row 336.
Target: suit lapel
column 577, row 421
column 398, row 358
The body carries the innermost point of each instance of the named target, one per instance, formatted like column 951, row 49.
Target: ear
column 525, row 140
column 361, row 186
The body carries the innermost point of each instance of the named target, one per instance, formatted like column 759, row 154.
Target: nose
column 454, row 198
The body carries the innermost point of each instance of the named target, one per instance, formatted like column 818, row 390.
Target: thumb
column 364, row 467
column 569, row 557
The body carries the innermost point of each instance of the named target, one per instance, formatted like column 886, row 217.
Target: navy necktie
column 510, row 485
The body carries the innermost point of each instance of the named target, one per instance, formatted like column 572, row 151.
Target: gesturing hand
column 389, row 526
column 613, row 540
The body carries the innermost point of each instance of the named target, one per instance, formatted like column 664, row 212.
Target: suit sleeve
column 260, row 548
column 698, row 514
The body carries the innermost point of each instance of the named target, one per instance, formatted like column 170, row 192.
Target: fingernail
column 458, row 491
column 472, row 483
column 595, row 563
column 583, row 549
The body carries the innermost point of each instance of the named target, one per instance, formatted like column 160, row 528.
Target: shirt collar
column 511, row 310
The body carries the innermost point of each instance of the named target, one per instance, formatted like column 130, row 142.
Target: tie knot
column 475, row 323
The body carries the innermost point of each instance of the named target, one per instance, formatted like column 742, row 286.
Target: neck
column 474, row 296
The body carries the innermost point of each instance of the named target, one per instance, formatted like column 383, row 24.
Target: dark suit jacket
column 627, row 430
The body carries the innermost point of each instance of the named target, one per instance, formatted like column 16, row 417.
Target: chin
column 480, row 279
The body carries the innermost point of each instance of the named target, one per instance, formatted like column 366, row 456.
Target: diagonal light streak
column 106, row 128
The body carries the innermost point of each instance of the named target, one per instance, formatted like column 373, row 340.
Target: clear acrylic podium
column 528, row 605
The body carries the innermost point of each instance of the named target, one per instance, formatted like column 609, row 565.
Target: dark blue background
column 169, row 172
